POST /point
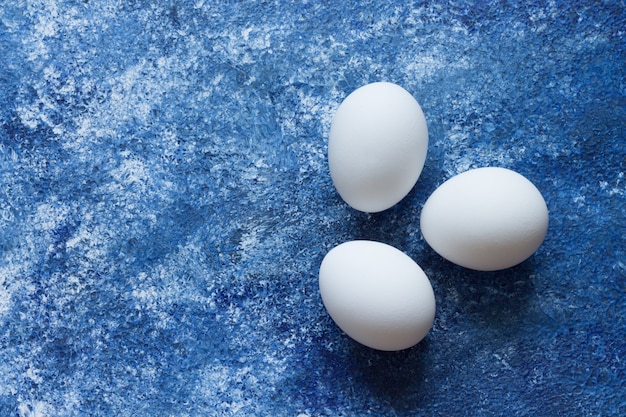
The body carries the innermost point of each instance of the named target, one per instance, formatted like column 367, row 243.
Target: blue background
column 165, row 204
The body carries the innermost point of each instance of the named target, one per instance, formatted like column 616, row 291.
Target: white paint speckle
column 34, row 409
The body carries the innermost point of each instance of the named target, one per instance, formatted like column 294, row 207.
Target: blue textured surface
column 165, row 204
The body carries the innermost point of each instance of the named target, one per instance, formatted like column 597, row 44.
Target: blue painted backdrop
column 165, row 204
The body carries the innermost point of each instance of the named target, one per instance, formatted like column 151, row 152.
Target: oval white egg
column 377, row 146
column 377, row 294
column 485, row 219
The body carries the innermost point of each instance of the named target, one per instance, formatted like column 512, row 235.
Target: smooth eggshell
column 377, row 146
column 377, row 294
column 485, row 219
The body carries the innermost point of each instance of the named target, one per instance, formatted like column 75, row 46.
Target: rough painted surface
column 165, row 204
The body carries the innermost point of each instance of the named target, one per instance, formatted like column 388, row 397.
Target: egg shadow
column 394, row 378
column 495, row 299
column 397, row 226
column 374, row 226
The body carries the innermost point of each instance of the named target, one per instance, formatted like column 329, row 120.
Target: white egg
column 377, row 146
column 485, row 219
column 377, row 294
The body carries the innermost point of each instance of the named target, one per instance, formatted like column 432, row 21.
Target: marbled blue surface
column 165, row 204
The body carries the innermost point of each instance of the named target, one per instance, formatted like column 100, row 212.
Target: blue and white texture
column 165, row 204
